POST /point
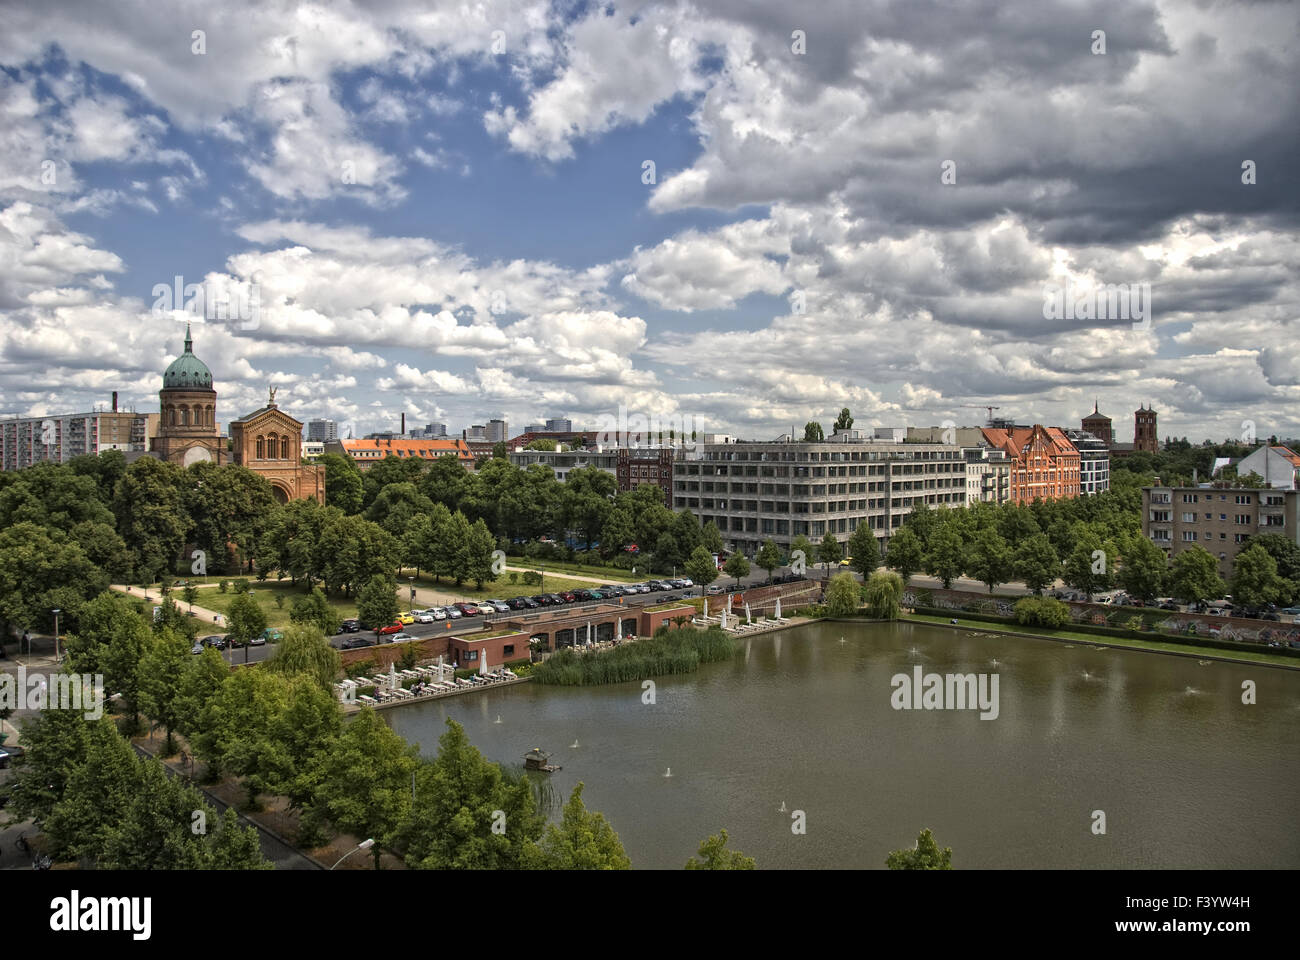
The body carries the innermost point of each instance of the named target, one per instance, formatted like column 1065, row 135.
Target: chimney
column 403, row 424
column 115, row 401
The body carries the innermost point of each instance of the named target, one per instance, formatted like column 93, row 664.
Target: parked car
column 269, row 635
column 684, row 582
column 1169, row 605
column 643, row 588
column 351, row 625
column 569, row 596
column 394, row 627
column 352, row 643
column 397, row 637
column 713, row 589
column 581, row 594
column 500, row 606
column 555, row 598
column 406, row 619
column 486, row 609
column 1290, row 611
column 542, row 600
column 197, row 648
column 10, row 752
column 466, row 609
column 439, row 613
column 454, row 612
column 517, row 603
column 217, row 641
column 424, row 616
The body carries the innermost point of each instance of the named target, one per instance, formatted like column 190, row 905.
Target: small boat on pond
column 539, row 759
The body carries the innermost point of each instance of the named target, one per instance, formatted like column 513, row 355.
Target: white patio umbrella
column 588, row 633
column 392, row 677
column 482, row 661
column 618, row 629
column 749, row 617
column 723, row 615
column 778, row 608
column 706, row 608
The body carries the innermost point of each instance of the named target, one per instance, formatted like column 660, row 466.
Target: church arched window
column 171, row 416
column 207, row 421
column 284, row 448
column 272, row 448
column 185, row 416
column 261, row 448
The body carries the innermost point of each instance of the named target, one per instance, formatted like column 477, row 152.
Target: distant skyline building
column 322, row 431
column 497, row 431
column 558, row 425
column 25, row 441
column 435, row 429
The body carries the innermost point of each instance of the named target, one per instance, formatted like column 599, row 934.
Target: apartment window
column 508, row 649
column 1242, row 518
column 1189, row 536
column 1189, row 518
column 1244, row 499
column 1223, row 516
column 1189, row 498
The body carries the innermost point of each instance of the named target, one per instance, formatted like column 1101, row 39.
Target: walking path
column 201, row 613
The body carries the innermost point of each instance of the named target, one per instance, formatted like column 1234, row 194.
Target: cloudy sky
column 726, row 210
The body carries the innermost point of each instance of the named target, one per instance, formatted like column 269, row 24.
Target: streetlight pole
column 363, row 845
column 56, row 634
column 411, row 580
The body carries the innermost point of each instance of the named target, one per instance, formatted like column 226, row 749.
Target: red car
column 394, row 627
column 468, row 609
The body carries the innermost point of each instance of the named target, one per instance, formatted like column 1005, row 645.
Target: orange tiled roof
column 1290, row 454
column 1014, row 441
column 429, row 449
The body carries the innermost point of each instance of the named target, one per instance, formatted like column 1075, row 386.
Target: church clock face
column 197, row 455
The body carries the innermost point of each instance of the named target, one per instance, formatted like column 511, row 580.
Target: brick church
column 267, row 441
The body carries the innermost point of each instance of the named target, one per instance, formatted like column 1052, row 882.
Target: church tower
column 1144, row 430
column 187, row 402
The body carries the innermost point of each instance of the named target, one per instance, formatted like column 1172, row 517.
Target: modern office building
column 1219, row 517
column 755, row 490
column 25, row 441
column 1094, row 462
column 435, row 429
column 322, row 431
column 497, row 431
column 988, row 474
column 312, row 449
column 561, row 462
column 559, row 425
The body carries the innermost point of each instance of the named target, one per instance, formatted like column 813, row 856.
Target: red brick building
column 636, row 467
column 1044, row 463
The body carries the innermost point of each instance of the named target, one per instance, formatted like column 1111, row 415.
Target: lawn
column 264, row 595
column 605, row 574
column 1202, row 652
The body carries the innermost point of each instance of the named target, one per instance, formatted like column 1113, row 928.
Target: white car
column 438, row 613
column 453, row 613
column 486, row 609
column 424, row 616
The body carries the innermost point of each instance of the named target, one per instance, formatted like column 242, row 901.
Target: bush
column 532, row 578
column 223, row 586
column 1041, row 612
column 362, row 668
column 514, row 577
column 925, row 598
column 240, row 586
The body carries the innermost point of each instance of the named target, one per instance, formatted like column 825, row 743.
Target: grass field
column 264, row 595
column 605, row 574
column 1202, row 652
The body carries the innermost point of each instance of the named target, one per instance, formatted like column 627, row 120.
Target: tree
column 541, row 443
column 736, row 567
column 714, row 855
column 842, row 595
column 926, row 855
column 768, row 558
column 129, row 644
column 1089, row 567
column 1035, row 563
column 377, row 602
column 904, row 554
column 582, row 840
column 343, row 486
column 945, row 558
column 864, row 550
column 40, row 570
column 479, row 550
column 1194, row 576
column 315, row 609
column 56, row 743
column 829, row 551
column 711, row 537
column 1284, row 551
column 100, row 790
column 365, row 780
column 813, row 432
column 236, row 848
column 304, row 650
column 246, row 619
column 1254, row 579
column 883, row 594
column 230, row 508
column 200, row 682
column 989, row 559
column 701, row 568
column 161, row 671
column 844, row 421
column 1142, row 568
column 150, row 515
column 616, row 532
column 469, row 814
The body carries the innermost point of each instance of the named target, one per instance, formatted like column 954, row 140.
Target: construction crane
column 982, row 406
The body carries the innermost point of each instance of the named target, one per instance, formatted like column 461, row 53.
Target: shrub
column 532, row 578
column 223, row 586
column 240, row 586
column 1041, row 612
column 361, row 668
column 514, row 577
column 668, row 652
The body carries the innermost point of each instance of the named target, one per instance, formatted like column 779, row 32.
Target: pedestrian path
column 202, row 614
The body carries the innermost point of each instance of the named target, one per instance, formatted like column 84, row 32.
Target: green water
column 1186, row 775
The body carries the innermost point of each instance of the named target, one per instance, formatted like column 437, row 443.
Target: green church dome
column 187, row 371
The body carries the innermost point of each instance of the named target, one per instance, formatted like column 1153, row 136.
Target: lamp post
column 56, row 634
column 411, row 580
column 363, row 845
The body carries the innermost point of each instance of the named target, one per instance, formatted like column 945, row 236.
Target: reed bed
column 670, row 651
